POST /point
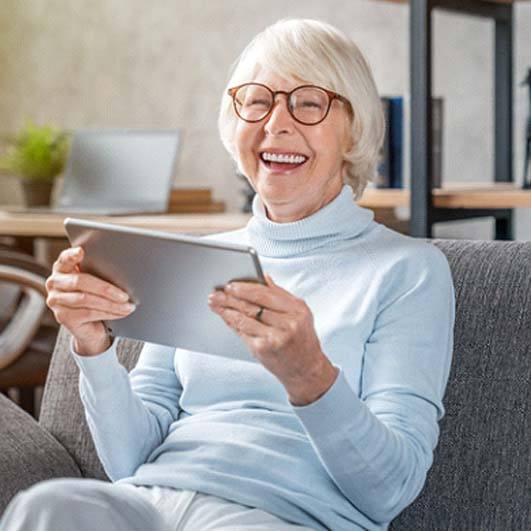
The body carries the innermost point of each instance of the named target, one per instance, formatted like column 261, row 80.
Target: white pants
column 88, row 504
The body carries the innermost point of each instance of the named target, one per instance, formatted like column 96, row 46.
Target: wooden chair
column 29, row 332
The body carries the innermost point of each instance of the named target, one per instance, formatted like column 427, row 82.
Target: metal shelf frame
column 423, row 212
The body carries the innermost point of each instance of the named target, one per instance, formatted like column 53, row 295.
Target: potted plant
column 36, row 155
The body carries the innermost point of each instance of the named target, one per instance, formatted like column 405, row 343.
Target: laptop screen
column 120, row 168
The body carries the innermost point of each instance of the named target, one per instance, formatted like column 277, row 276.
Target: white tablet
column 169, row 277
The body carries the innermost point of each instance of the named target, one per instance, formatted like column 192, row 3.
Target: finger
column 67, row 260
column 219, row 298
column 261, row 295
column 242, row 324
column 80, row 299
column 272, row 284
column 77, row 316
column 87, row 283
column 268, row 317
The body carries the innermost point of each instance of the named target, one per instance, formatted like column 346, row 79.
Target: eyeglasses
column 307, row 104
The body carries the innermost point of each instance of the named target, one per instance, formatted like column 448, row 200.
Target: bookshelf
column 429, row 205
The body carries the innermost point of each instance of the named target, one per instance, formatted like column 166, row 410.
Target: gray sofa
column 480, row 479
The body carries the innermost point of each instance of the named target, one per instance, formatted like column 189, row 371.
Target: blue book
column 396, row 141
column 392, row 153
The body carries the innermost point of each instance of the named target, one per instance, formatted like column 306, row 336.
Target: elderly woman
column 336, row 425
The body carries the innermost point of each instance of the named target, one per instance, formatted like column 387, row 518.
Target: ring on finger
column 259, row 313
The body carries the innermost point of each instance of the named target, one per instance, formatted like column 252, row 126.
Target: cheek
column 245, row 143
column 327, row 147
column 246, row 137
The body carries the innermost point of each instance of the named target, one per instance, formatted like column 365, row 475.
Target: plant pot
column 36, row 193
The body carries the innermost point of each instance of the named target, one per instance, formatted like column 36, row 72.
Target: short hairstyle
column 315, row 52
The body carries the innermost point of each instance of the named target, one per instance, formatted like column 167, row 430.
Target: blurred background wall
column 134, row 63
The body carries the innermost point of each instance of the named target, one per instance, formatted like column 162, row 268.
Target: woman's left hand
column 283, row 339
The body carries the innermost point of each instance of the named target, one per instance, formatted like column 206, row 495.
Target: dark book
column 391, row 153
column 396, row 133
column 437, row 125
column 383, row 178
column 390, row 169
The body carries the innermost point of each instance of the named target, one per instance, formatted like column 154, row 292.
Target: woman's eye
column 257, row 103
column 310, row 104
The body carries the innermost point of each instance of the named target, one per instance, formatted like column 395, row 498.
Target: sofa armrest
column 28, row 453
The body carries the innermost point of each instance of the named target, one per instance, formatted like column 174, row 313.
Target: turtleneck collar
column 341, row 219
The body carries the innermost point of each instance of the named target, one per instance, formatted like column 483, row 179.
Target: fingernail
column 121, row 295
column 216, row 297
column 130, row 307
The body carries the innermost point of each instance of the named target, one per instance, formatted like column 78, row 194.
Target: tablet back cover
column 169, row 280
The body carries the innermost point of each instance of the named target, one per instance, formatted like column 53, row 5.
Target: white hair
column 318, row 53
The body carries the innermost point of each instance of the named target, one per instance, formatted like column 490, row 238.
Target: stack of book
column 194, row 201
column 392, row 152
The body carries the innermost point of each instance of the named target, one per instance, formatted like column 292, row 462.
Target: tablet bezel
column 183, row 238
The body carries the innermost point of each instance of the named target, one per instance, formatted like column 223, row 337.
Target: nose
column 280, row 120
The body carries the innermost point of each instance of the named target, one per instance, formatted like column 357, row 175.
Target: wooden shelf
column 486, row 1
column 455, row 195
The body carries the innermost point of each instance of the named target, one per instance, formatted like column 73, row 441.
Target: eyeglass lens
column 309, row 105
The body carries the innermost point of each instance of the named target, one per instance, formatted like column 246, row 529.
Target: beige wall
column 134, row 63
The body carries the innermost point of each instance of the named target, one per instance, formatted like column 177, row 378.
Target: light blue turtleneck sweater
column 383, row 306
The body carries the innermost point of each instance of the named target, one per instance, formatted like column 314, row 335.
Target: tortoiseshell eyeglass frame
column 330, row 93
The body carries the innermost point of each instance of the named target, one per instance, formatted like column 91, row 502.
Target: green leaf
column 37, row 153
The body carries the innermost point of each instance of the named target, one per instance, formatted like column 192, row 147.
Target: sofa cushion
column 62, row 411
column 28, row 453
column 480, row 478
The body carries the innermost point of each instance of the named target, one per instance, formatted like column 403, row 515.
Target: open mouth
column 282, row 161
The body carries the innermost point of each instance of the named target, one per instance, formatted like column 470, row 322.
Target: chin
column 280, row 202
column 284, row 184
column 278, row 194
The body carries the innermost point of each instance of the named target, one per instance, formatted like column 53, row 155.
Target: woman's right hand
column 81, row 302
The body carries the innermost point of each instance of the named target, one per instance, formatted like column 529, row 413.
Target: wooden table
column 44, row 236
column 51, row 225
column 453, row 195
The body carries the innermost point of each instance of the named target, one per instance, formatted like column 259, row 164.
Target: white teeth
column 287, row 159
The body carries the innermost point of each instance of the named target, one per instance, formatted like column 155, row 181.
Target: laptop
column 116, row 172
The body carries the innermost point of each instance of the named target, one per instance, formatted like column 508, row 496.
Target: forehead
column 278, row 82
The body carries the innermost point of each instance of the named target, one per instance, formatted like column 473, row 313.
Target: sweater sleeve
column 378, row 447
column 128, row 415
